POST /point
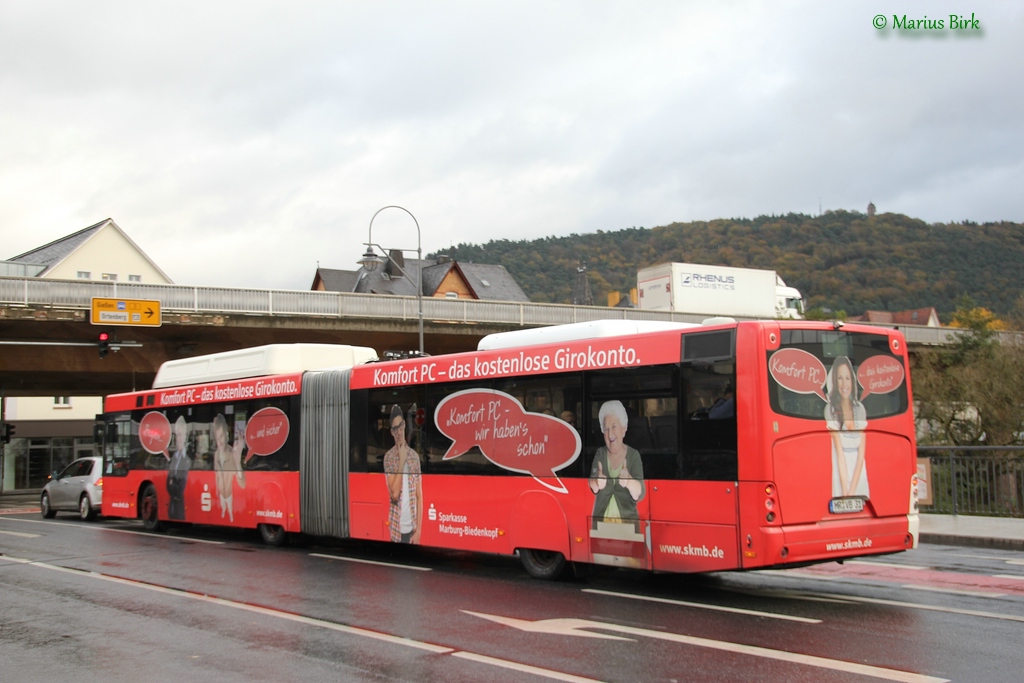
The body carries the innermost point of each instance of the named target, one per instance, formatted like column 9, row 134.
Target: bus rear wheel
column 273, row 534
column 149, row 509
column 543, row 564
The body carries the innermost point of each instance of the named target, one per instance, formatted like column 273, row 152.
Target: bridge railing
column 183, row 298
column 974, row 480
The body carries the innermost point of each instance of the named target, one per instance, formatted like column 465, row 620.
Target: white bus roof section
column 259, row 361
column 594, row 329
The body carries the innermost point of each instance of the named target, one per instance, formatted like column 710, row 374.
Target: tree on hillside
column 840, row 260
column 969, row 394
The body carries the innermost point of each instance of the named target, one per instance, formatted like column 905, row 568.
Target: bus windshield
column 813, row 368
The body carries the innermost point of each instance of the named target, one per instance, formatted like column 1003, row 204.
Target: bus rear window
column 815, row 369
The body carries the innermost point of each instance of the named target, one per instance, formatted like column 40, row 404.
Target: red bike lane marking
column 921, row 577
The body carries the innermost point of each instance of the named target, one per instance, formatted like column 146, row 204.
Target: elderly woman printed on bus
column 405, row 487
column 847, row 419
column 227, row 462
column 617, row 475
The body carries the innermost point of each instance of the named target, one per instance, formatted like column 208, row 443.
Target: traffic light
column 8, row 433
column 104, row 344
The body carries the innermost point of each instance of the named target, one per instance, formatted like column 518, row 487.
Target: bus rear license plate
column 839, row 506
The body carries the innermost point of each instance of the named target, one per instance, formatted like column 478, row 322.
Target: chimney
column 395, row 257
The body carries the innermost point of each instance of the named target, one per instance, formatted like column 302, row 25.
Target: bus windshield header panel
column 589, row 354
column 219, row 392
column 815, row 369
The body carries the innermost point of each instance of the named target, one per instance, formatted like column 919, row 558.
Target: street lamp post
column 370, row 260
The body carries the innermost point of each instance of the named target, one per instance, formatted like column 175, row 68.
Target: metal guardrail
column 975, row 480
column 182, row 298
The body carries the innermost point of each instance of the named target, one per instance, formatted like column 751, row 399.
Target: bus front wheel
column 273, row 534
column 543, row 564
column 149, row 509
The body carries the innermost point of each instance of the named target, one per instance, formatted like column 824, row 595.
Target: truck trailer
column 717, row 290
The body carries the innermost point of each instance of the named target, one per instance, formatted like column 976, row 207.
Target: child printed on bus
column 617, row 475
column 227, row 462
column 405, row 486
column 847, row 419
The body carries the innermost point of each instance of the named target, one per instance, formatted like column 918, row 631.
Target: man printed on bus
column 405, row 486
column 177, row 473
column 227, row 462
column 617, row 475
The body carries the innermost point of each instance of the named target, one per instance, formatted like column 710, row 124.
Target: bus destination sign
column 136, row 312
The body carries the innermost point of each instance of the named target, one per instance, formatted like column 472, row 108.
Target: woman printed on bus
column 227, row 462
column 405, row 488
column 617, row 475
column 847, row 419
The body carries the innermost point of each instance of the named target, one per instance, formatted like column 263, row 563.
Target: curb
column 973, row 541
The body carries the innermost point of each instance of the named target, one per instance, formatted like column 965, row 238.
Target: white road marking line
column 918, row 605
column 1014, row 561
column 980, row 557
column 148, row 534
column 525, row 668
column 892, row 565
column 954, row 591
column 717, row 608
column 223, row 602
column 382, row 564
column 1009, row 576
column 576, row 627
column 20, row 534
column 310, row 621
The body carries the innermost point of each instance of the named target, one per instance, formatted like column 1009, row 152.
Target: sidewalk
column 18, row 500
column 1006, row 533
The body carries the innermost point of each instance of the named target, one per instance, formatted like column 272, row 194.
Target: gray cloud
column 240, row 143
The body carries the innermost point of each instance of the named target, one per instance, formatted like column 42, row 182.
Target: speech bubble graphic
column 155, row 432
column 510, row 437
column 266, row 432
column 880, row 374
column 798, row 371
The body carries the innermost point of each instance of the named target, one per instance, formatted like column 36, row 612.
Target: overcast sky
column 239, row 143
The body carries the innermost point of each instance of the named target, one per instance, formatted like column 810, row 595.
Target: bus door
column 693, row 495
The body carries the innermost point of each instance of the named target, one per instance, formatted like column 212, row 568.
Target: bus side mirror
column 97, row 432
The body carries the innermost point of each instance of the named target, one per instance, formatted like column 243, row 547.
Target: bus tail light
column 770, row 502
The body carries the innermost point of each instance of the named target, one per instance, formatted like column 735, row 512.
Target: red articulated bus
column 678, row 448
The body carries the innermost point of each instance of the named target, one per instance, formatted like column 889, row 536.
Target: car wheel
column 44, row 507
column 85, row 508
column 273, row 534
column 149, row 509
column 543, row 564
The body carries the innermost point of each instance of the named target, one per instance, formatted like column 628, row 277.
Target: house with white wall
column 52, row 431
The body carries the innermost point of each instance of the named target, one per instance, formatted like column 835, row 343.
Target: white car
column 79, row 488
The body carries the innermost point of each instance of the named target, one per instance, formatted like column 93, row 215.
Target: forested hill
column 840, row 260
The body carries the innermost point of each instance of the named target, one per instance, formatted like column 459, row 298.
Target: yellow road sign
column 136, row 312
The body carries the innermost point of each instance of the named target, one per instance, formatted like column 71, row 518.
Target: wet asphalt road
column 104, row 601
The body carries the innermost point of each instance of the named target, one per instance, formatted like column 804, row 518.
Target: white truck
column 717, row 290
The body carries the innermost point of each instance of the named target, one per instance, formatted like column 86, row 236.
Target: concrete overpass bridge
column 48, row 345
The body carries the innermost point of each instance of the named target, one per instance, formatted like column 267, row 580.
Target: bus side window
column 709, row 424
column 649, row 396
